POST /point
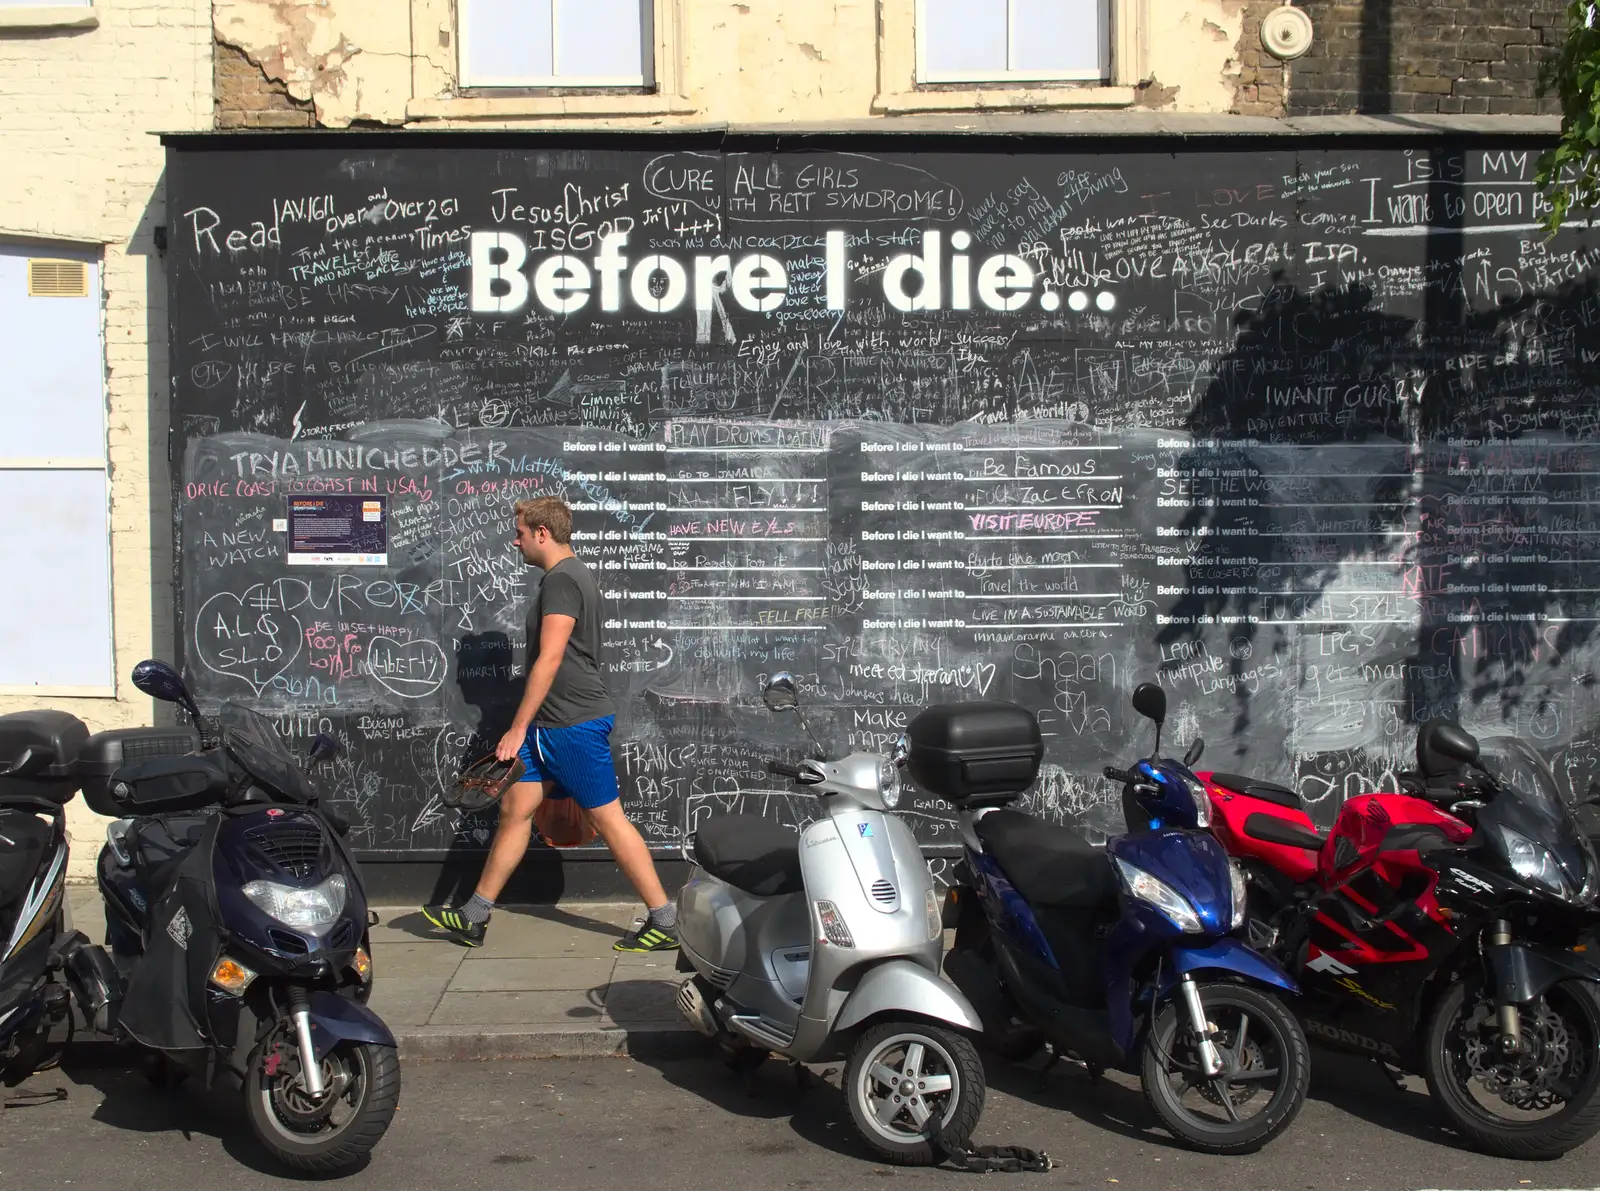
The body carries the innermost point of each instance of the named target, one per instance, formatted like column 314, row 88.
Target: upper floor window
column 980, row 41
column 557, row 43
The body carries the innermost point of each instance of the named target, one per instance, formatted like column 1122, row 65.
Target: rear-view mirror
column 780, row 693
column 1150, row 701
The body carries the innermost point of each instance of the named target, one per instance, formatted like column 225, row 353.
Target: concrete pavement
column 546, row 984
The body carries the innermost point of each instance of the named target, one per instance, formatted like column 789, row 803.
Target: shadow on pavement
column 1105, row 1103
column 1357, row 1086
column 815, row 1108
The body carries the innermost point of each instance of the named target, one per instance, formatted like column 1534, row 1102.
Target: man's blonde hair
column 549, row 511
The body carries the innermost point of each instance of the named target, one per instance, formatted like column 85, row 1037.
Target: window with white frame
column 981, row 41
column 557, row 43
column 55, row 548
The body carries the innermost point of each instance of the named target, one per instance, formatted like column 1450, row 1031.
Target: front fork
column 1510, row 1021
column 1211, row 1063
column 300, row 1017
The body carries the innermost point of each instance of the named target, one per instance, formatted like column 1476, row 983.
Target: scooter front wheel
column 1266, row 1068
column 337, row 1131
column 912, row 1085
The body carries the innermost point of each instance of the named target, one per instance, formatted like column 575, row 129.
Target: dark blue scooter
column 1122, row 958
column 237, row 926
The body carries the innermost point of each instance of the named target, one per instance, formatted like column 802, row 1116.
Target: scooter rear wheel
column 907, row 1082
column 1267, row 1068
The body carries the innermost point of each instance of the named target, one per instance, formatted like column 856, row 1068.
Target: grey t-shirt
column 579, row 690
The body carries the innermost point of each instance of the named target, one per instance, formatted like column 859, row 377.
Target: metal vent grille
column 142, row 748
column 57, row 279
column 289, row 944
column 883, row 891
column 293, row 847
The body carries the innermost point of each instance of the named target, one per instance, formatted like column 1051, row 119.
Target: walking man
column 562, row 732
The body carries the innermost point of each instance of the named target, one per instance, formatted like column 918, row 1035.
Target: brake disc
column 1527, row 1080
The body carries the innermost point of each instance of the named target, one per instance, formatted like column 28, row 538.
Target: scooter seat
column 1048, row 864
column 750, row 853
column 1255, row 788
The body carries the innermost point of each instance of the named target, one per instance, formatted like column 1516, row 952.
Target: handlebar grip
column 783, row 769
column 1118, row 775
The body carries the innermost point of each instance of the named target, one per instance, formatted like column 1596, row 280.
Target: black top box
column 39, row 749
column 106, row 752
column 967, row 752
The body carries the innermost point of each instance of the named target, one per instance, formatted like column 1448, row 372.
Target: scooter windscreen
column 253, row 745
column 1531, row 828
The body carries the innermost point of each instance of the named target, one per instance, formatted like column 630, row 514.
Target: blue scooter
column 238, row 928
column 1124, row 958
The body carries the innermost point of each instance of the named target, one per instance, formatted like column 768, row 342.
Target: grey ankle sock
column 477, row 909
column 664, row 917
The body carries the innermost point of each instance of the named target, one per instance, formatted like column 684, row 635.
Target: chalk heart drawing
column 249, row 637
column 408, row 669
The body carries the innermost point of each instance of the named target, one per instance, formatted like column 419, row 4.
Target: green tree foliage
column 1570, row 173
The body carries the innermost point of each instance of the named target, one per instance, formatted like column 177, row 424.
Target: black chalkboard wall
column 1307, row 432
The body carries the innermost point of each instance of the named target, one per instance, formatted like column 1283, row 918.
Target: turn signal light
column 833, row 928
column 231, row 976
column 361, row 964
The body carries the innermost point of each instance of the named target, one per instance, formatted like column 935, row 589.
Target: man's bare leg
column 512, row 836
column 467, row 923
column 628, row 848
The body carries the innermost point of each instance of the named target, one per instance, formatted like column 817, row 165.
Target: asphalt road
column 688, row 1123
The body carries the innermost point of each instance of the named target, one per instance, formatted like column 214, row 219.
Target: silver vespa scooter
column 827, row 944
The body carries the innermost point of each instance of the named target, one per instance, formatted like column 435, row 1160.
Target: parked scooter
column 38, row 768
column 826, row 944
column 1124, row 958
column 1440, row 932
column 237, row 927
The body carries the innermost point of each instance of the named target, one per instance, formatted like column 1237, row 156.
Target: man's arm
column 554, row 632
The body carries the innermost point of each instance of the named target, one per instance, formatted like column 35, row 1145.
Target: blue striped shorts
column 573, row 762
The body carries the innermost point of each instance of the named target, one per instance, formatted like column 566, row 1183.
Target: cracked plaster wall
column 351, row 59
column 740, row 61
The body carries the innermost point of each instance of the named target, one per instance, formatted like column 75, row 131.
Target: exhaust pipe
column 96, row 984
column 694, row 1008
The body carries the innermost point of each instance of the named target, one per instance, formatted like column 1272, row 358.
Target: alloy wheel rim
column 908, row 1082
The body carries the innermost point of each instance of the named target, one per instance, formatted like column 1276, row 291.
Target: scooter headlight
column 1162, row 896
column 1241, row 894
column 312, row 910
column 889, row 783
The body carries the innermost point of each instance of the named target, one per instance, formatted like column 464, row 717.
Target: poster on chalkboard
column 338, row 531
column 1305, row 431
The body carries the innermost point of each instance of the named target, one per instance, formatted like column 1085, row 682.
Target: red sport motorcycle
column 1439, row 931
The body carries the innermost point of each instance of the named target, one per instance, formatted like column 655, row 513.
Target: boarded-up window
column 976, row 41
column 556, row 43
column 55, row 606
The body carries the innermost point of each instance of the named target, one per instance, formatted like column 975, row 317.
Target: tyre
column 1537, row 1104
column 335, row 1133
column 1267, row 1068
column 907, row 1082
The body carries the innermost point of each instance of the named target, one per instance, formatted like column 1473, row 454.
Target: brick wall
column 1261, row 88
column 1450, row 57
column 247, row 98
column 79, row 163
